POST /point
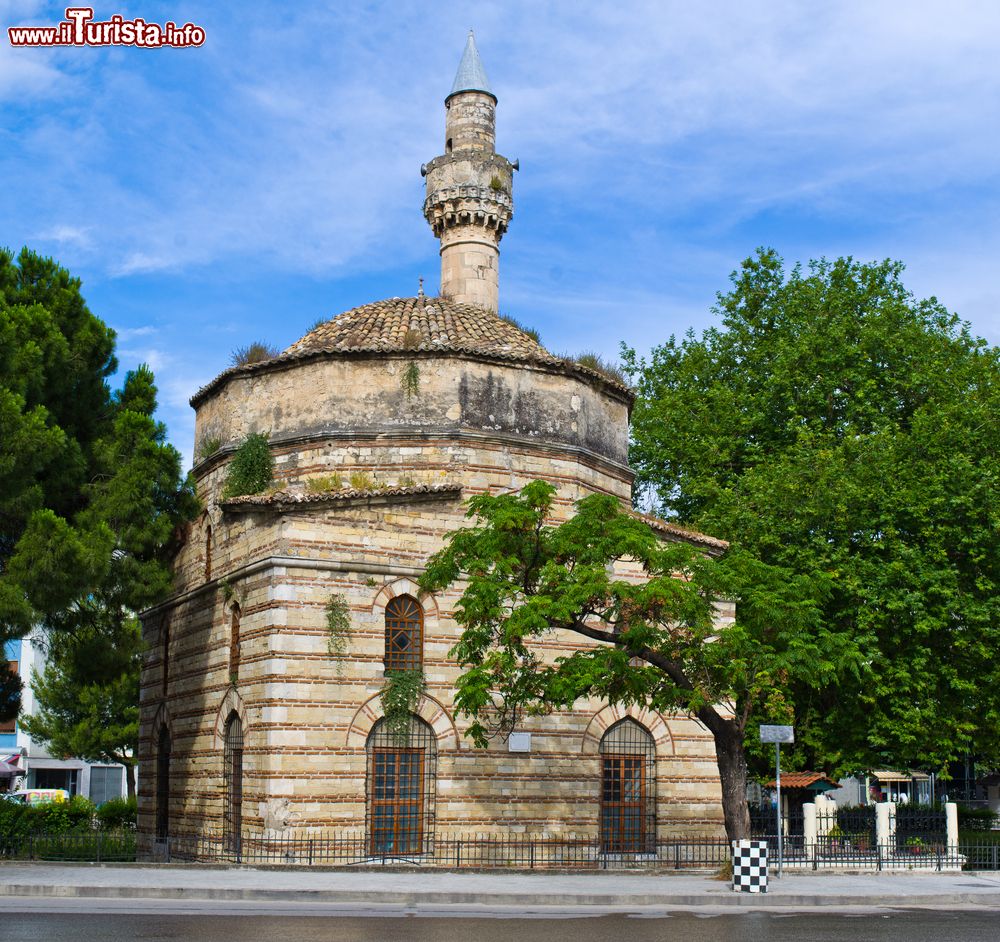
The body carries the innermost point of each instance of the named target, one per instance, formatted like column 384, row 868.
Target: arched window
column 404, row 634
column 163, row 783
column 208, row 552
column 234, row 643
column 400, row 789
column 232, row 783
column 628, row 789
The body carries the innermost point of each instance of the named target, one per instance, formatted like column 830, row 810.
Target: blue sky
column 239, row 191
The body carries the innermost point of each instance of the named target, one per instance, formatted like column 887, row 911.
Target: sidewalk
column 592, row 892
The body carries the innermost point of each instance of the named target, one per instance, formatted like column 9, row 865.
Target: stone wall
column 307, row 714
column 370, row 396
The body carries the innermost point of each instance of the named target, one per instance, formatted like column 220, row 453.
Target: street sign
column 778, row 735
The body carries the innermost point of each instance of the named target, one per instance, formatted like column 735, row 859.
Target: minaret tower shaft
column 470, row 189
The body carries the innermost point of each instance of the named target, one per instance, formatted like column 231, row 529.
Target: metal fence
column 94, row 845
column 468, row 851
column 848, row 850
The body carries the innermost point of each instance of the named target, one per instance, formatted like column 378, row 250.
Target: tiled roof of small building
column 421, row 323
column 683, row 533
column 815, row 781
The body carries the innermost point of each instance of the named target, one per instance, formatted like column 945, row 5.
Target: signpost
column 778, row 735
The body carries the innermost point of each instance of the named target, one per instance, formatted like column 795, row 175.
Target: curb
column 502, row 900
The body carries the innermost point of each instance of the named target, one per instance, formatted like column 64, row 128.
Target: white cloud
column 131, row 333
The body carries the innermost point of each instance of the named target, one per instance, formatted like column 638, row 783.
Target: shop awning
column 8, row 768
column 813, row 781
column 887, row 775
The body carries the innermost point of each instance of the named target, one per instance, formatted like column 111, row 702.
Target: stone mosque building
column 382, row 422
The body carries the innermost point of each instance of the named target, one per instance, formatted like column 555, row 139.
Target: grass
column 256, row 352
column 514, row 322
column 324, row 484
column 597, row 363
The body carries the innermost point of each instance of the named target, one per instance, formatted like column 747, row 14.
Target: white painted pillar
column 884, row 826
column 825, row 815
column 809, row 830
column 951, row 826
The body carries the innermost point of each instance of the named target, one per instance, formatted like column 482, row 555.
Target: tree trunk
column 732, row 764
column 130, row 778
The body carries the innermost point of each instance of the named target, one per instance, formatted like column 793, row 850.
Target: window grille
column 163, row 783
column 232, row 781
column 401, row 790
column 628, row 789
column 404, row 634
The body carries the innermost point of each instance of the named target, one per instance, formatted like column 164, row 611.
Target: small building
column 797, row 789
column 35, row 766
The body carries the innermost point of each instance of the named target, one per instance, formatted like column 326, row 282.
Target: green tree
column 55, row 358
column 657, row 640
column 835, row 424
column 91, row 494
column 88, row 691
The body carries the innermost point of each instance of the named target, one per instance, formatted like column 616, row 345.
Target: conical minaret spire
column 469, row 188
column 471, row 76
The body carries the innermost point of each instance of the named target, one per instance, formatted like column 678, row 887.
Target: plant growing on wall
column 252, row 468
column 338, row 625
column 362, row 481
column 207, row 447
column 324, row 484
column 400, row 696
column 411, row 380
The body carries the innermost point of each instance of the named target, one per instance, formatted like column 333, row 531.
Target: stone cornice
column 390, row 434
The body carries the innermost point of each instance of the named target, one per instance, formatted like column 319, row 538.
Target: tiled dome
column 421, row 323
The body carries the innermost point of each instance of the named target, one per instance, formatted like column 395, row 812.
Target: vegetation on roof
column 597, row 363
column 514, row 322
column 256, row 352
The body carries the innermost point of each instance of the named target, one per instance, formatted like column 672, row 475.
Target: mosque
column 382, row 422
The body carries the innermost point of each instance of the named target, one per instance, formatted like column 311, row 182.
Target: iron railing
column 91, row 846
column 497, row 852
column 467, row 851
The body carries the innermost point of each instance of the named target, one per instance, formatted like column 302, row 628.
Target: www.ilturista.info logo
column 79, row 29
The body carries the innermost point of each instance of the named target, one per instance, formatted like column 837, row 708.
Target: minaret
column 469, row 188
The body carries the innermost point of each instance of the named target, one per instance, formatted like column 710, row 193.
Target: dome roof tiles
column 424, row 324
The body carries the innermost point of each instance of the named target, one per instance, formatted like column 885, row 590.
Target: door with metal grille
column 628, row 802
column 401, row 778
column 397, row 801
column 232, row 782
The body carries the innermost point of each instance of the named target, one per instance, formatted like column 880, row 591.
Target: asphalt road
column 893, row 926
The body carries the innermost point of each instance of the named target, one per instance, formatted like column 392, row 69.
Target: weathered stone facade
column 416, row 404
